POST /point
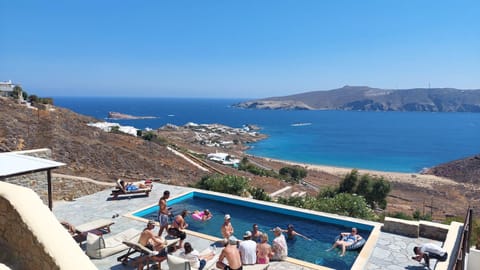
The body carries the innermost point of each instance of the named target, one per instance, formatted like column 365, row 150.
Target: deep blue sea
column 387, row 141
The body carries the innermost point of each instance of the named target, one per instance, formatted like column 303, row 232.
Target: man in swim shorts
column 163, row 212
column 231, row 253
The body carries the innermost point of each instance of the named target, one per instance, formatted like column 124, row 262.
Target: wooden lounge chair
column 98, row 226
column 145, row 255
column 120, row 190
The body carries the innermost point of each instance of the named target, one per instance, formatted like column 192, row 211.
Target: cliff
column 365, row 98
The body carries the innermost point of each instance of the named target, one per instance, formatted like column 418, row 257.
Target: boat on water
column 300, row 124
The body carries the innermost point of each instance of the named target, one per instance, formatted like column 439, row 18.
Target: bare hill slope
column 88, row 151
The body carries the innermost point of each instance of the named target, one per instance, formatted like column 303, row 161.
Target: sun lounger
column 177, row 263
column 98, row 247
column 99, row 224
column 145, row 254
column 120, row 190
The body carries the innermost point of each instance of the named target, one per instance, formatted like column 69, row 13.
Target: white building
column 223, row 158
column 6, row 88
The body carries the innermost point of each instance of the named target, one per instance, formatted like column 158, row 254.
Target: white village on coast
column 104, row 233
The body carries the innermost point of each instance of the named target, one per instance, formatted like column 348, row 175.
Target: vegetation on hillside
column 290, row 174
column 231, row 184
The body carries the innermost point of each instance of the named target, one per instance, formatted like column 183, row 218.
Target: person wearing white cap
column 227, row 228
column 248, row 249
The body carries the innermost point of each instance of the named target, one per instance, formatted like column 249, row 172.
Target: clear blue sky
column 242, row 48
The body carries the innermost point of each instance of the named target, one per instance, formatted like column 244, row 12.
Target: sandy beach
column 421, row 180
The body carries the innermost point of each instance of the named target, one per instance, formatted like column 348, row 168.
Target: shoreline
column 421, row 180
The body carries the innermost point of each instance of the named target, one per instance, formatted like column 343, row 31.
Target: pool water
column 321, row 233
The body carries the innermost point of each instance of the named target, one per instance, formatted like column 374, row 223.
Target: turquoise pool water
column 322, row 230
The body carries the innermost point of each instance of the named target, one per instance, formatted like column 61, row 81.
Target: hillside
column 103, row 156
column 365, row 98
column 465, row 170
column 88, row 151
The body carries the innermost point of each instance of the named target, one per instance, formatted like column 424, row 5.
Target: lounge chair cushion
column 177, row 263
column 98, row 247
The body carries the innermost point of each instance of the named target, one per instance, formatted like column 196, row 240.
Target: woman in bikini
column 264, row 250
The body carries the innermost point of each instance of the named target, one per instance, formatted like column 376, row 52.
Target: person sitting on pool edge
column 279, row 245
column 346, row 239
column 231, row 253
column 177, row 229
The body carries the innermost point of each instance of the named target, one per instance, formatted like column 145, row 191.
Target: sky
column 237, row 49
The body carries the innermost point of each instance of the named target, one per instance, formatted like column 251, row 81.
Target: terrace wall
column 30, row 235
column 64, row 187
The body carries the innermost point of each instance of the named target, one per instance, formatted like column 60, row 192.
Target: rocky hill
column 88, row 151
column 365, row 98
column 465, row 170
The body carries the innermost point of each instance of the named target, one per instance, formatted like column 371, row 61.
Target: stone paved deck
column 391, row 252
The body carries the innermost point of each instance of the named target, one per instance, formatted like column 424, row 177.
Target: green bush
column 343, row 204
column 400, row 215
column 293, row 173
column 231, row 184
column 245, row 165
column 348, row 184
column 259, row 194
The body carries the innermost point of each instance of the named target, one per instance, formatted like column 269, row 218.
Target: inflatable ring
column 355, row 246
column 198, row 216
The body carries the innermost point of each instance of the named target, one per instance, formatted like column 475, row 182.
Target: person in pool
column 202, row 215
column 291, row 233
column 346, row 239
column 256, row 234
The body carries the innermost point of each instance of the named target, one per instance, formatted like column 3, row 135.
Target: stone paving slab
column 391, row 252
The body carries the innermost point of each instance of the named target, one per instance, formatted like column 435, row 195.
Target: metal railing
column 464, row 242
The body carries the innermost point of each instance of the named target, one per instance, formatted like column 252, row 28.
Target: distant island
column 364, row 98
column 117, row 115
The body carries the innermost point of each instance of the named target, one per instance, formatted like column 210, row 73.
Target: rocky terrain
column 105, row 156
column 365, row 98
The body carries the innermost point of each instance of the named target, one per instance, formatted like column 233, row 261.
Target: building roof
column 15, row 164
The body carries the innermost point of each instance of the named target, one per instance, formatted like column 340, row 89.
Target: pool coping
column 360, row 262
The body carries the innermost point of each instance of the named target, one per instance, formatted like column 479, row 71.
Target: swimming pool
column 321, row 229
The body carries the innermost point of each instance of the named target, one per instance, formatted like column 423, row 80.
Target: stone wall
column 30, row 235
column 64, row 187
column 35, row 181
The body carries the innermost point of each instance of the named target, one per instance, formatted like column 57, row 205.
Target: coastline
column 417, row 179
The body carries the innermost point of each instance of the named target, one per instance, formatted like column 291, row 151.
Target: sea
column 406, row 142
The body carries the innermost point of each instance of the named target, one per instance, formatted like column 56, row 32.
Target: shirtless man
column 178, row 226
column 163, row 212
column 149, row 239
column 227, row 228
column 231, row 253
